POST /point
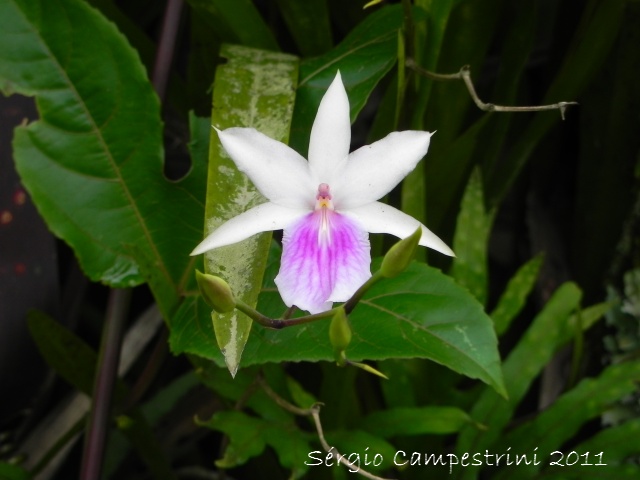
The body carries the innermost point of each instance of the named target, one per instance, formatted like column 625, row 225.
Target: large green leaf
column 421, row 313
column 93, row 163
column 253, row 89
column 363, row 58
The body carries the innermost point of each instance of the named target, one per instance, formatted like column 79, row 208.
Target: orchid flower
column 326, row 206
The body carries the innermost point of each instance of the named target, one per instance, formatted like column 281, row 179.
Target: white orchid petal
column 319, row 267
column 377, row 217
column 373, row 170
column 277, row 171
column 331, row 133
column 263, row 218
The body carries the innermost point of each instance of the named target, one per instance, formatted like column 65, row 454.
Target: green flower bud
column 400, row 255
column 339, row 330
column 216, row 292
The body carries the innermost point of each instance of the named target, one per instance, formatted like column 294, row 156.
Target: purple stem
column 103, row 389
column 166, row 47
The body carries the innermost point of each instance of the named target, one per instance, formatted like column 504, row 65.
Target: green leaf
column 416, row 421
column 236, row 21
column 471, row 240
column 309, row 25
column 549, row 430
column 253, row 89
column 421, row 313
column 363, row 58
column 399, row 390
column 93, row 163
column 515, row 295
column 249, row 436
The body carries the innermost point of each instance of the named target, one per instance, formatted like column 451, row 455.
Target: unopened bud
column 400, row 255
column 340, row 334
column 216, row 292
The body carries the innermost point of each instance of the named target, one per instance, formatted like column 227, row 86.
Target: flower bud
column 216, row 292
column 400, row 255
column 340, row 335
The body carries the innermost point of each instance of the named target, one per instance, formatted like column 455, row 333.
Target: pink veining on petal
column 320, row 266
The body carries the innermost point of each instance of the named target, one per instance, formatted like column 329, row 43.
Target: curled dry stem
column 465, row 75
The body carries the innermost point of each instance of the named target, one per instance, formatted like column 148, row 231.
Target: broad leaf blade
column 254, row 89
column 422, row 313
column 93, row 164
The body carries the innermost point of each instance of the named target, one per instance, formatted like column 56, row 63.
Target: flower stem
column 277, row 323
column 106, row 375
column 353, row 301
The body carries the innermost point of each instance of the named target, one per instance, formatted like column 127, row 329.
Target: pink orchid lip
column 325, row 258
